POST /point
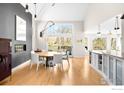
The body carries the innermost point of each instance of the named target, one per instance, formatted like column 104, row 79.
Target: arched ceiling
column 59, row 11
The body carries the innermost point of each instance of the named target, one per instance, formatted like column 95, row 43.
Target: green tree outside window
column 99, row 44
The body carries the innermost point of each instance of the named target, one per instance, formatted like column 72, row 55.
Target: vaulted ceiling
column 59, row 11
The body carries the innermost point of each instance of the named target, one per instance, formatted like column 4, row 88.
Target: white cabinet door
column 119, row 72
column 111, row 66
column 100, row 61
column 94, row 59
column 105, row 64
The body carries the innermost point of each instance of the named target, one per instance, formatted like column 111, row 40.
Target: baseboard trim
column 20, row 66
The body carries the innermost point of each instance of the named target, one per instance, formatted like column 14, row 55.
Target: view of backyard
column 59, row 37
column 99, row 44
column 59, row 43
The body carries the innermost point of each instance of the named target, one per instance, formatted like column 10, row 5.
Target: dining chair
column 66, row 56
column 35, row 58
column 57, row 59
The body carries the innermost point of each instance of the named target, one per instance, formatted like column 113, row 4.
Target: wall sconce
column 41, row 34
column 45, row 27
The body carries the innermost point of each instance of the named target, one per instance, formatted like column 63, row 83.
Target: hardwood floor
column 79, row 73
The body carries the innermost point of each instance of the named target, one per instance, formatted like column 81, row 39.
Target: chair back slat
column 34, row 57
column 57, row 58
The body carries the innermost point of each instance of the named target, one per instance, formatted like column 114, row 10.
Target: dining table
column 48, row 55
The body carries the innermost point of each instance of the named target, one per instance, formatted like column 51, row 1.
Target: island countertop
column 121, row 55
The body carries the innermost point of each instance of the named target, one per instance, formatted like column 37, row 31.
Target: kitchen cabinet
column 105, row 64
column 5, row 58
column 119, row 72
column 111, row 69
column 110, row 66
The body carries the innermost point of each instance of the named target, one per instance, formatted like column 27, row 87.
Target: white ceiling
column 60, row 11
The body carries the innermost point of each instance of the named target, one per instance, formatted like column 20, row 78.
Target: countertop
column 121, row 55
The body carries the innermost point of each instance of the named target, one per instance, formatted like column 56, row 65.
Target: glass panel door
column 66, row 44
column 53, row 43
column 61, row 44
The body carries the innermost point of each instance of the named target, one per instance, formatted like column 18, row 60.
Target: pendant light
column 35, row 15
column 116, row 24
column 26, row 8
column 99, row 30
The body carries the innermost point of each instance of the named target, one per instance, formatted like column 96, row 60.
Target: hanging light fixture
column 35, row 15
column 47, row 26
column 26, row 8
column 99, row 30
column 116, row 24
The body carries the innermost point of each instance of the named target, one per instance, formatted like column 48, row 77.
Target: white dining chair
column 57, row 59
column 35, row 58
column 66, row 57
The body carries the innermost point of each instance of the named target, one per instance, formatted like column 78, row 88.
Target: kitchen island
column 109, row 65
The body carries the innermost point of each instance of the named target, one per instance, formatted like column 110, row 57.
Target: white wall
column 122, row 45
column 40, row 43
column 91, row 37
column 78, row 28
column 98, row 13
column 78, row 49
column 64, row 12
column 33, row 34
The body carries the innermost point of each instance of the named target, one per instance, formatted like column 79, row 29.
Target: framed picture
column 20, row 29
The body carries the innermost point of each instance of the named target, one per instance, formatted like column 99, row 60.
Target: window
column 99, row 44
column 59, row 43
column 60, row 28
column 85, row 41
column 53, row 43
column 65, row 43
column 59, row 37
column 113, row 43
